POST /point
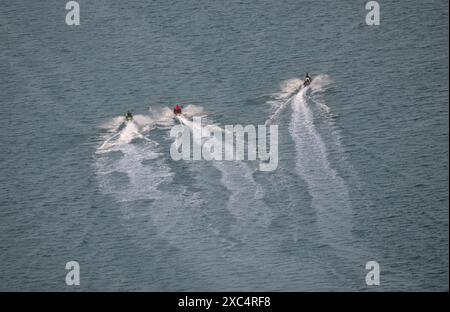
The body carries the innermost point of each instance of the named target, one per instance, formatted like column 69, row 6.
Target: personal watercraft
column 177, row 110
column 307, row 81
column 128, row 116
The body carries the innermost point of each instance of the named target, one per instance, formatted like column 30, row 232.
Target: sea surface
column 363, row 151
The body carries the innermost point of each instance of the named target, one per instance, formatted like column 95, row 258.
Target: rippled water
column 363, row 151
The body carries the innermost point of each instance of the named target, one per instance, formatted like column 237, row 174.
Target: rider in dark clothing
column 307, row 79
column 129, row 115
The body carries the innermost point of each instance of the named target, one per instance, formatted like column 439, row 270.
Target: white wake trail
column 121, row 132
column 130, row 171
column 280, row 100
column 131, row 168
column 330, row 196
column 329, row 128
column 237, row 177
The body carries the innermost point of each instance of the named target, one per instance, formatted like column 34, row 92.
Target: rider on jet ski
column 307, row 80
column 128, row 116
column 177, row 110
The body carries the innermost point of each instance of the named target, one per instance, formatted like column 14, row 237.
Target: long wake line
column 329, row 193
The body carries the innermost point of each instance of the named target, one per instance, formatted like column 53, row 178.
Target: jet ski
column 128, row 116
column 307, row 81
column 177, row 110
